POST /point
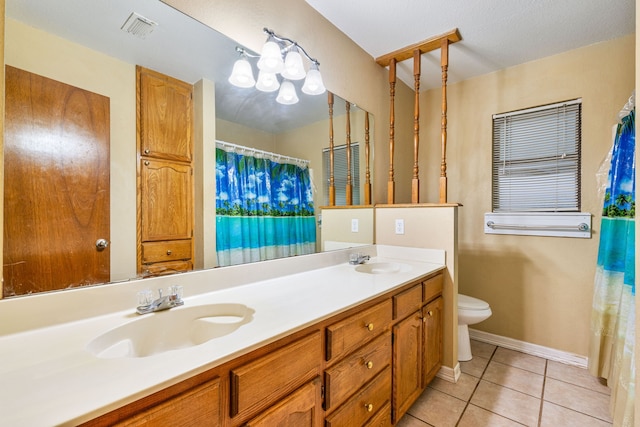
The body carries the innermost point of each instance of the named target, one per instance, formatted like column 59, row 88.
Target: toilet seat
column 466, row 302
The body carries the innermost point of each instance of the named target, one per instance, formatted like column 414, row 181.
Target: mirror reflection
column 78, row 50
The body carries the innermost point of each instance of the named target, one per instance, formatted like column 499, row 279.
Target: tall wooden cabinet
column 165, row 173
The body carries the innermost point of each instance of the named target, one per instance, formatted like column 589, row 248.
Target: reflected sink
column 383, row 268
column 170, row 330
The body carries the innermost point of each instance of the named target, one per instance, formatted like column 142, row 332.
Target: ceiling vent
column 138, row 25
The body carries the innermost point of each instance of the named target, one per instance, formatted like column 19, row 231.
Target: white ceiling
column 495, row 33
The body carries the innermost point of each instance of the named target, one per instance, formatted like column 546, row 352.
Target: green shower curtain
column 612, row 347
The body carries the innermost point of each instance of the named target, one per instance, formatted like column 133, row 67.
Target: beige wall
column 41, row 53
column 539, row 288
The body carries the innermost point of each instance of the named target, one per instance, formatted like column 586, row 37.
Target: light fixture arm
column 293, row 43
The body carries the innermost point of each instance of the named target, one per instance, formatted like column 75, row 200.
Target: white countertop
column 47, row 376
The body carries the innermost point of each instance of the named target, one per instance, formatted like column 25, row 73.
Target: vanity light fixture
column 282, row 56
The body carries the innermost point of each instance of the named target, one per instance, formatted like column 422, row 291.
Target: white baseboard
column 533, row 349
column 449, row 374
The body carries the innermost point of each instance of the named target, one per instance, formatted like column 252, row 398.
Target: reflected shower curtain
column 611, row 352
column 264, row 209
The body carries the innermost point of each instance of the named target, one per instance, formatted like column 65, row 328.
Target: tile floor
column 501, row 387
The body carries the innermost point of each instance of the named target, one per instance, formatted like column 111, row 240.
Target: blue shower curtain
column 612, row 347
column 264, row 209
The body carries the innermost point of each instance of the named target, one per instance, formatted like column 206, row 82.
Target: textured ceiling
column 495, row 33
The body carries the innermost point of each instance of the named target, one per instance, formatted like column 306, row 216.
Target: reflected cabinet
column 165, row 174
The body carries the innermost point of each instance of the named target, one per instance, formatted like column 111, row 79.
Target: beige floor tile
column 520, row 360
column 577, row 376
column 482, row 349
column 437, row 409
column 477, row 417
column 509, row 403
column 463, row 389
column 411, row 421
column 515, row 378
column 554, row 416
column 474, row 366
column 577, row 398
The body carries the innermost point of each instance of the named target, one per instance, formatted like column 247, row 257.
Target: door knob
column 101, row 244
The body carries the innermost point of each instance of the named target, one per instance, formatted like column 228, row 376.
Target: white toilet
column 470, row 311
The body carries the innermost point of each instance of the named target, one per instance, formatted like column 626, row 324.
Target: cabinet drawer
column 350, row 333
column 165, row 268
column 300, row 409
column 432, row 287
column 269, row 378
column 366, row 403
column 344, row 378
column 407, row 302
column 166, row 251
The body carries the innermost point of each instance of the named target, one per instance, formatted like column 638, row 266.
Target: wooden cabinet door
column 303, row 408
column 165, row 113
column 432, row 315
column 407, row 363
column 166, row 200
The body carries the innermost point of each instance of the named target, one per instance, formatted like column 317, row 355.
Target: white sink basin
column 383, row 268
column 170, row 330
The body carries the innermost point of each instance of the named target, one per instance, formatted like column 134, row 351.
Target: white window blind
column 340, row 174
column 536, row 159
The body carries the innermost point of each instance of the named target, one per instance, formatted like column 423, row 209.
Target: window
column 340, row 174
column 536, row 159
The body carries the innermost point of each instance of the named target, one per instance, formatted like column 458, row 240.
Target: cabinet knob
column 368, row 407
column 369, row 326
column 169, row 252
column 369, row 364
column 146, row 151
column 146, row 163
column 430, row 313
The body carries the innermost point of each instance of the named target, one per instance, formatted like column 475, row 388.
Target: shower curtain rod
column 274, row 156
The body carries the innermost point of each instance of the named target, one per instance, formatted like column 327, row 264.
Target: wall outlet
column 354, row 225
column 399, row 226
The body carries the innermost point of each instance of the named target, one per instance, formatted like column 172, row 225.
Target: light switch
column 354, row 225
column 399, row 226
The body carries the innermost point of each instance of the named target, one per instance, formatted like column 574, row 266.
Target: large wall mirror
column 81, row 43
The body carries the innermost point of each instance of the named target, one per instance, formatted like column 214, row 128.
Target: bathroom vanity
column 324, row 343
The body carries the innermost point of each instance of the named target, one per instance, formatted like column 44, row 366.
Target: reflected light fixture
column 279, row 56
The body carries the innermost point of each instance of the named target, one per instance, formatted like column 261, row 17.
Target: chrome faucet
column 148, row 305
column 355, row 259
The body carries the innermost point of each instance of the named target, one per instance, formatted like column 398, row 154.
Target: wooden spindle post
column 367, row 180
column 349, row 177
column 444, row 63
column 415, row 181
column 332, row 186
column 392, row 92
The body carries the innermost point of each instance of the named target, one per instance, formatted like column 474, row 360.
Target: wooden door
column 165, row 116
column 166, row 197
column 56, row 203
column 407, row 361
column 432, row 339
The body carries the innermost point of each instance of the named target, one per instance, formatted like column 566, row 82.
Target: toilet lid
column 470, row 303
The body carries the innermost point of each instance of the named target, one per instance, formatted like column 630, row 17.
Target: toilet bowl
column 470, row 311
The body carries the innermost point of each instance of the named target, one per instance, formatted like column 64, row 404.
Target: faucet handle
column 176, row 292
column 145, row 297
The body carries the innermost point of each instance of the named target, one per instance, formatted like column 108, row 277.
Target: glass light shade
column 267, row 82
column 313, row 84
column 242, row 74
column 287, row 94
column 271, row 58
column 293, row 67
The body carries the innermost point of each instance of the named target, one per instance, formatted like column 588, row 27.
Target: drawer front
column 344, row 378
column 165, row 268
column 300, row 409
column 432, row 287
column 350, row 333
column 269, row 378
column 166, row 251
column 407, row 302
column 382, row 418
column 365, row 404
